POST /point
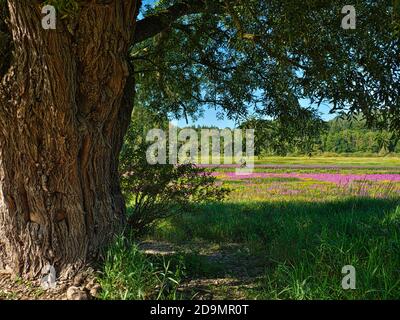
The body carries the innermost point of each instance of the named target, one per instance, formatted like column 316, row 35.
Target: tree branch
column 161, row 21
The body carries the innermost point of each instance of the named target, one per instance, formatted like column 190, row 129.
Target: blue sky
column 210, row 115
column 210, row 118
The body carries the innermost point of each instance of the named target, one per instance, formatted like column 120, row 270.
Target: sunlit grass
column 305, row 231
column 300, row 231
column 304, row 245
column 337, row 161
column 128, row 274
column 392, row 161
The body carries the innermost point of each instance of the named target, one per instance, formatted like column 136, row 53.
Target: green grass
column 337, row 161
column 129, row 274
column 391, row 161
column 303, row 232
column 304, row 245
column 289, row 238
column 342, row 170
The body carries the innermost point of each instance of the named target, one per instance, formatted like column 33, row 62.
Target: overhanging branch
column 161, row 21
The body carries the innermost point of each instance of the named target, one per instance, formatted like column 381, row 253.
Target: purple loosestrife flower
column 341, row 179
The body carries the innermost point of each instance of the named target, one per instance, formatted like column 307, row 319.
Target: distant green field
column 337, row 161
column 389, row 162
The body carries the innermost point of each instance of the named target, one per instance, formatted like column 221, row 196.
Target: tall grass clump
column 128, row 274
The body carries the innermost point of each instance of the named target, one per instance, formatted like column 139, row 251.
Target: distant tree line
column 310, row 136
column 346, row 136
column 339, row 136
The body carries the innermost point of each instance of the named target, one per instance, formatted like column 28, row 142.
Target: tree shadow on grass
column 253, row 239
column 263, row 221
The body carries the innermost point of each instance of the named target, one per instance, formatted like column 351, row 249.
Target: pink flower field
column 341, row 179
column 309, row 186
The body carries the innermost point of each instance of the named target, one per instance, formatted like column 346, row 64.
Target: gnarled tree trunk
column 64, row 108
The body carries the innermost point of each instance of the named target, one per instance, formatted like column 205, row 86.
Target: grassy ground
column 301, row 247
column 338, row 161
column 274, row 238
column 323, row 160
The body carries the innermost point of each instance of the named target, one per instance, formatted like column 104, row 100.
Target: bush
column 155, row 192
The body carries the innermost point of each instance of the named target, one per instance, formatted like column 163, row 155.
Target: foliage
column 346, row 136
column 67, row 8
column 337, row 136
column 264, row 56
column 274, row 137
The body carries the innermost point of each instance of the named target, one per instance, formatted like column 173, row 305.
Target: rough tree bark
column 64, row 109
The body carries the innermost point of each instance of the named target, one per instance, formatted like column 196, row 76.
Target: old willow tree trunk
column 64, row 108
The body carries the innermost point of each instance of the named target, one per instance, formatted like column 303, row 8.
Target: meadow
column 283, row 233
column 338, row 160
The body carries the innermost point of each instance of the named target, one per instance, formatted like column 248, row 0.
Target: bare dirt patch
column 232, row 269
column 15, row 288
